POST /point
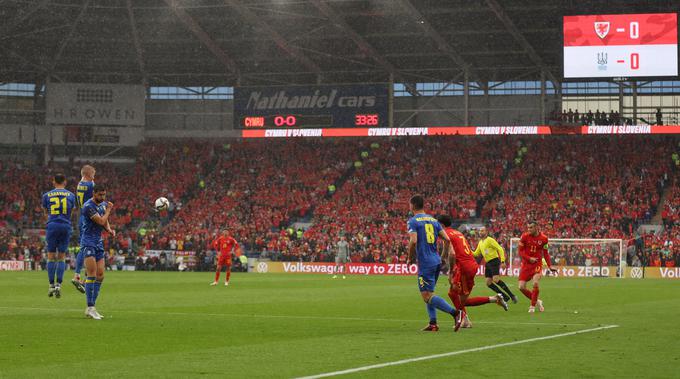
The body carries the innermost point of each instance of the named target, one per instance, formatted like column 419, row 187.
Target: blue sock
column 442, row 305
column 51, row 269
column 80, row 260
column 432, row 312
column 89, row 291
column 61, row 267
column 95, row 292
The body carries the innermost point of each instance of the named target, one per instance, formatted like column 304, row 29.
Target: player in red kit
column 224, row 245
column 462, row 273
column 533, row 248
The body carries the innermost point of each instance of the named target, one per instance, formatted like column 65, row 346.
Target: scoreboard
column 292, row 107
column 624, row 45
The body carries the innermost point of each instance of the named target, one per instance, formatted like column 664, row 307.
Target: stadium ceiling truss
column 279, row 42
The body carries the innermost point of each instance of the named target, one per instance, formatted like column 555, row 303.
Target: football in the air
column 161, row 204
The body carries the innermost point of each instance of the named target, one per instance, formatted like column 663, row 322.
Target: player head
column 87, row 172
column 445, row 220
column 99, row 193
column 225, row 232
column 59, row 180
column 532, row 227
column 417, row 204
column 483, row 232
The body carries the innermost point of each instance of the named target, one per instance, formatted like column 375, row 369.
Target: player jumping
column 463, row 269
column 224, row 244
column 494, row 256
column 424, row 230
column 84, row 192
column 58, row 204
column 533, row 247
column 94, row 218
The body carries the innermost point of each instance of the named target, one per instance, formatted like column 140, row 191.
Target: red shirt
column 224, row 245
column 460, row 247
column 534, row 247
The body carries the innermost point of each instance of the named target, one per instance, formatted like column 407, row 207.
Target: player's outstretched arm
column 413, row 240
column 447, row 249
column 501, row 251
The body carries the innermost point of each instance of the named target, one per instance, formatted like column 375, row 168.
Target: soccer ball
column 161, row 204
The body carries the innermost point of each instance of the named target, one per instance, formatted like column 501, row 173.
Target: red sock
column 217, row 274
column 475, row 301
column 228, row 273
column 455, row 299
column 526, row 293
column 534, row 296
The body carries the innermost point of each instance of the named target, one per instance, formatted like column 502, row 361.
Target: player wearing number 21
column 58, row 204
column 424, row 231
column 533, row 248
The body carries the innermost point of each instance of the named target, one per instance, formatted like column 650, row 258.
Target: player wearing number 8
column 58, row 204
column 424, row 230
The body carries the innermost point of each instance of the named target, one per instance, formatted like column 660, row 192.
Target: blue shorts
column 57, row 237
column 427, row 278
column 91, row 251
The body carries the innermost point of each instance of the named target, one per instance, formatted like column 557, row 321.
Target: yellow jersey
column 489, row 249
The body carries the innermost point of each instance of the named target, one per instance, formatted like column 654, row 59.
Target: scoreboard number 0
column 634, row 30
column 634, row 61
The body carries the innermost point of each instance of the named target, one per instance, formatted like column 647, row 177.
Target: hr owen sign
column 95, row 104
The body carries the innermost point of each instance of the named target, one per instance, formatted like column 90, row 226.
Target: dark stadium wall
column 214, row 118
column 189, row 115
column 449, row 111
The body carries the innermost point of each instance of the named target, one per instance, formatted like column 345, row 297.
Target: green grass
column 286, row 325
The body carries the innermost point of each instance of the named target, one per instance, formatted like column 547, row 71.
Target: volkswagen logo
column 636, row 273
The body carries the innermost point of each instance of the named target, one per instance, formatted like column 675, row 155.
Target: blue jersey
column 91, row 231
column 427, row 228
column 59, row 204
column 84, row 191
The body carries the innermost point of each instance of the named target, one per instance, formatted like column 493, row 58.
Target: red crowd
column 574, row 186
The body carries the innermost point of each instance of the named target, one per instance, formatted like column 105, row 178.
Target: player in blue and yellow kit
column 424, row 231
column 84, row 193
column 94, row 218
column 58, row 204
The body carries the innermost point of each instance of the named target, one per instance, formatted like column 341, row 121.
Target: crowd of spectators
column 455, row 175
column 258, row 188
column 573, row 117
column 574, row 186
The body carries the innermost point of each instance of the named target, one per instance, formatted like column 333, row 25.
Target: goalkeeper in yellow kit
column 494, row 255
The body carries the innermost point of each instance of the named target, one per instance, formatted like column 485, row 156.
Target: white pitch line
column 298, row 317
column 452, row 353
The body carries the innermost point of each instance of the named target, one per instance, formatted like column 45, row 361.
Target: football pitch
column 288, row 326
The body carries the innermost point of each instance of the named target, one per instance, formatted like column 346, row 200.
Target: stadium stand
column 574, row 186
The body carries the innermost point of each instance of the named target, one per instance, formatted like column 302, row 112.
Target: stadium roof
column 264, row 42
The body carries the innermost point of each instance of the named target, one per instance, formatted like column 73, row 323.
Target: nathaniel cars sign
column 332, row 106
